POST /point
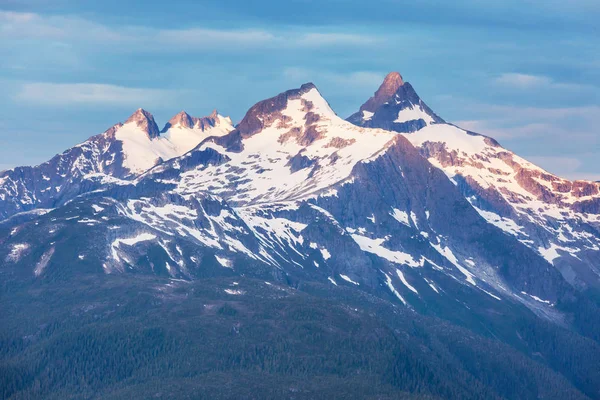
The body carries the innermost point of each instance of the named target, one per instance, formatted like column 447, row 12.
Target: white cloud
column 330, row 39
column 88, row 93
column 535, row 82
column 590, row 176
column 564, row 141
column 208, row 37
column 567, row 165
column 522, row 81
column 16, row 26
column 357, row 80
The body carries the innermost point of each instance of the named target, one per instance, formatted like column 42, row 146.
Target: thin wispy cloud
column 567, row 165
column 535, row 82
column 357, row 79
column 330, row 39
column 522, row 81
column 61, row 94
column 213, row 37
column 72, row 29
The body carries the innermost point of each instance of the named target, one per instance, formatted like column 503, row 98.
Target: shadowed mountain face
column 280, row 250
column 395, row 106
column 557, row 218
column 120, row 153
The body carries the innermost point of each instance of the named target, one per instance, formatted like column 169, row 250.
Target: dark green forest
column 133, row 336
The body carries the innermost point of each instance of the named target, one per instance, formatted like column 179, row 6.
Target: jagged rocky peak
column 208, row 122
column 184, row 120
column 392, row 82
column 264, row 113
column 395, row 106
column 145, row 121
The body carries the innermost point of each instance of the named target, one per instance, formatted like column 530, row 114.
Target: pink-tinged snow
column 261, row 172
column 485, row 164
column 142, row 153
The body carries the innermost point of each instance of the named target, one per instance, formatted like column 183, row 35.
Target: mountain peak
column 395, row 106
column 267, row 111
column 182, row 119
column 392, row 82
column 144, row 120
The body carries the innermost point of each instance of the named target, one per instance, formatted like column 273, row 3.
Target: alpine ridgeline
column 393, row 213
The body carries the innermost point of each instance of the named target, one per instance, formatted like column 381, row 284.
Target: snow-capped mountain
column 435, row 224
column 395, row 106
column 297, row 192
column 557, row 218
column 121, row 152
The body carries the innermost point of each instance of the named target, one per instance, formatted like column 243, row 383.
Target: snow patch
column 16, row 251
column 347, row 279
column 390, row 285
column 400, row 216
column 405, row 282
column 375, row 246
column 235, row 292
column 224, row 262
column 325, row 253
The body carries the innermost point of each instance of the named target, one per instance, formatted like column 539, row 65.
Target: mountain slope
column 293, row 200
column 123, row 151
column 296, row 190
column 557, row 218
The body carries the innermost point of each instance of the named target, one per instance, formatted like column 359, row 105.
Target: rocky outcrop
column 264, row 113
column 145, row 121
column 395, row 106
column 184, row 120
column 554, row 216
column 390, row 86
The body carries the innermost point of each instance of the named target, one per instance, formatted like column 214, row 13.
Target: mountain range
column 454, row 267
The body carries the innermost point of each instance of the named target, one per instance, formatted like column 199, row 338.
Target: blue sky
column 526, row 72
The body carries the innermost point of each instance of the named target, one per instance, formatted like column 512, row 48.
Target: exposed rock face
column 391, row 84
column 395, row 106
column 298, row 186
column 297, row 201
column 542, row 210
column 264, row 113
column 121, row 153
column 145, row 121
column 184, row 120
